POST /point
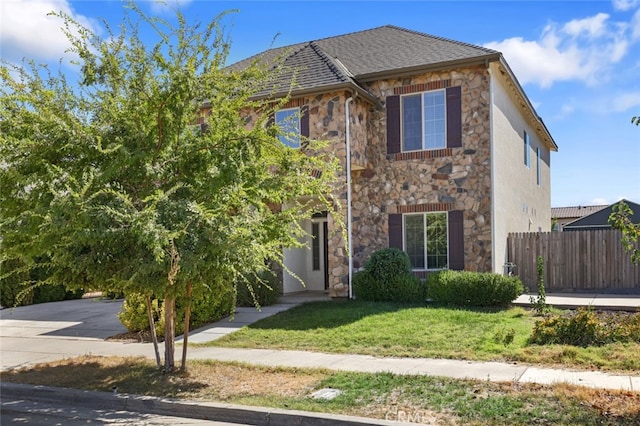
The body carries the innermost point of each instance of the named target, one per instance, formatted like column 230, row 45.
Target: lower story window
column 426, row 240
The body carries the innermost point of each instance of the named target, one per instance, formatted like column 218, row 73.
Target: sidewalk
column 496, row 371
column 627, row 302
column 17, row 347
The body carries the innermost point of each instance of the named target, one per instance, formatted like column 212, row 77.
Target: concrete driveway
column 49, row 331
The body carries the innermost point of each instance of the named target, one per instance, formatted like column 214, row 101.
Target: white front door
column 318, row 274
column 308, row 263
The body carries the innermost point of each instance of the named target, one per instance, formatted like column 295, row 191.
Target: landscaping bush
column 387, row 277
column 465, row 288
column 11, row 285
column 388, row 263
column 206, row 308
column 585, row 327
column 264, row 288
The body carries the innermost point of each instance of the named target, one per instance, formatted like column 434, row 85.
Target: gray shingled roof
column 353, row 57
column 574, row 211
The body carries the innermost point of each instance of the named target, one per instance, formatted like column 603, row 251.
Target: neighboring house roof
column 349, row 60
column 574, row 212
column 600, row 218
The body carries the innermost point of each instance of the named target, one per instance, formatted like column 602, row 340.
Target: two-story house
column 442, row 151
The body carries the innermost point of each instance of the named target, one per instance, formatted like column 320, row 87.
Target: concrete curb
column 181, row 408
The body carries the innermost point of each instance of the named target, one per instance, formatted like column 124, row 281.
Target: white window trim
column 298, row 116
column 424, row 226
column 422, row 120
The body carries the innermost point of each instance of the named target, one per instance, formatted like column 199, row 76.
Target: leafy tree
column 620, row 219
column 636, row 120
column 109, row 183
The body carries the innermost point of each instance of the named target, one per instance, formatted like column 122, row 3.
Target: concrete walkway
column 32, row 339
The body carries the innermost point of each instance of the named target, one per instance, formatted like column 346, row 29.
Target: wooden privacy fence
column 574, row 261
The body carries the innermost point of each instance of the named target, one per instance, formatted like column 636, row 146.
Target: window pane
column 437, row 240
column 289, row 122
column 526, row 149
column 414, row 239
column 538, row 171
column 315, row 246
column 411, row 123
column 434, row 120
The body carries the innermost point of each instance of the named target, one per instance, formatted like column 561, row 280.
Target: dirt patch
column 134, row 337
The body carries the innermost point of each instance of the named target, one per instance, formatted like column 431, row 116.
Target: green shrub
column 387, row 277
column 260, row 290
column 540, row 303
column 388, row 263
column 465, row 288
column 585, row 328
column 205, row 308
column 12, row 284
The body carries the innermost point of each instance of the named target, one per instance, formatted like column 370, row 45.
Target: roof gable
column 366, row 54
column 390, row 49
column 600, row 218
column 574, row 211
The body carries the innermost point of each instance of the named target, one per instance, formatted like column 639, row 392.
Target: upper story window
column 527, row 150
column 424, row 121
column 288, row 120
column 538, row 169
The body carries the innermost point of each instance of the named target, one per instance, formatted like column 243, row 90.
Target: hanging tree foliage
column 108, row 183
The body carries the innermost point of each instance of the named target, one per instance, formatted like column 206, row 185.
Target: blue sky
column 578, row 61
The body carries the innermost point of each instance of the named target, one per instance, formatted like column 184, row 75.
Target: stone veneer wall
column 327, row 122
column 461, row 180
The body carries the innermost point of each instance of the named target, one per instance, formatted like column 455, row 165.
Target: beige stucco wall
column 519, row 204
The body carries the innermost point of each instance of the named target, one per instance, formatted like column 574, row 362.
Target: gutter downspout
column 492, row 154
column 348, row 161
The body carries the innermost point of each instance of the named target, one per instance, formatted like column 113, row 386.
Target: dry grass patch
column 434, row 400
column 137, row 375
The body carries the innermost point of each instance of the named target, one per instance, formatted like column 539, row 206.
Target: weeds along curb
column 180, row 408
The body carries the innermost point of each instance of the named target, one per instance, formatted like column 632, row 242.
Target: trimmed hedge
column 464, row 288
column 206, row 308
column 264, row 287
column 13, row 284
column 387, row 277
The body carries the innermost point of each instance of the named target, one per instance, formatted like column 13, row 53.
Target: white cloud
column 626, row 101
column 625, row 4
column 581, row 49
column 167, row 6
column 594, row 26
column 28, row 32
column 635, row 26
column 600, row 202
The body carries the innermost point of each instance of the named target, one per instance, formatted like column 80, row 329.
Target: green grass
column 386, row 329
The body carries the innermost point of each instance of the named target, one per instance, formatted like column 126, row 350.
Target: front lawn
column 386, row 329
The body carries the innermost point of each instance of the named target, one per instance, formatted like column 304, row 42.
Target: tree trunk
column 169, row 333
column 152, row 327
column 187, row 318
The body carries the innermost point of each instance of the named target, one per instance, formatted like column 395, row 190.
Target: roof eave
column 552, row 143
column 316, row 90
column 440, row 66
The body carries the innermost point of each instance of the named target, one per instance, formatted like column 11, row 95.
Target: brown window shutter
column 271, row 120
column 454, row 117
column 456, row 240
column 395, row 231
column 304, row 121
column 393, row 124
